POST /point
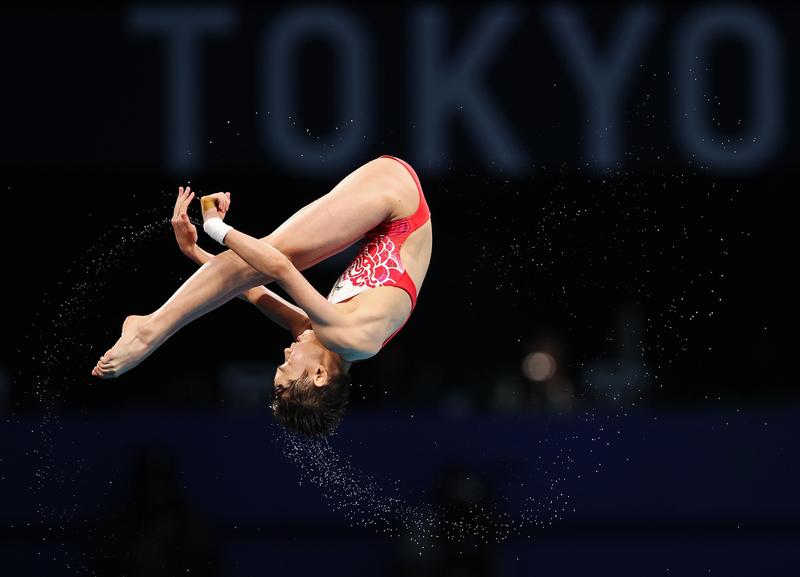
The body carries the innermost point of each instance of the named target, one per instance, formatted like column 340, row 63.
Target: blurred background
column 603, row 356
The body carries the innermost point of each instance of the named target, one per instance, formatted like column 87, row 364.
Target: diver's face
column 305, row 354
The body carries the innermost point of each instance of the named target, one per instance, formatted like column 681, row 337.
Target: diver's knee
column 281, row 245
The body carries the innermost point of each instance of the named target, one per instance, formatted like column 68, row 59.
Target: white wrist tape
column 216, row 229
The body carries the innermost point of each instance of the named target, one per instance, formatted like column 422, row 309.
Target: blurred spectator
column 541, row 383
column 508, row 393
column 622, row 377
column 155, row 532
column 544, row 368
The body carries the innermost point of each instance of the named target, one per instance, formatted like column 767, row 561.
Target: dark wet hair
column 314, row 411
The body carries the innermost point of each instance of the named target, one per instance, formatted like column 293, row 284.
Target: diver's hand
column 185, row 231
column 215, row 205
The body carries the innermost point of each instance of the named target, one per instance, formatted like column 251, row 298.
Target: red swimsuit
column 378, row 262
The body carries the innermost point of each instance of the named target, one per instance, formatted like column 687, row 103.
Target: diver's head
column 311, row 387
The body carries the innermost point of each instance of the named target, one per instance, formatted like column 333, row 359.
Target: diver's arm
column 269, row 261
column 279, row 310
column 276, row 309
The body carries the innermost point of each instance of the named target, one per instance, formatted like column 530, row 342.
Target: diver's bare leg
column 362, row 200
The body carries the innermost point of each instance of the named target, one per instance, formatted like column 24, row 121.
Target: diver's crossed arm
column 341, row 332
column 332, row 326
column 269, row 261
column 274, row 307
column 279, row 310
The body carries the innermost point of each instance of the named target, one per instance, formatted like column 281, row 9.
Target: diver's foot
column 129, row 350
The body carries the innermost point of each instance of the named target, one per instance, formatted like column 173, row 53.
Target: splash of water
column 65, row 320
column 368, row 504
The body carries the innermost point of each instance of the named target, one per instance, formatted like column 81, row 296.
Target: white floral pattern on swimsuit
column 377, row 264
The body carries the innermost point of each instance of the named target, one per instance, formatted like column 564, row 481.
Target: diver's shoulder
column 352, row 341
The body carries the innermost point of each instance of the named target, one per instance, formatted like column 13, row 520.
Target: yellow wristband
column 207, row 203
